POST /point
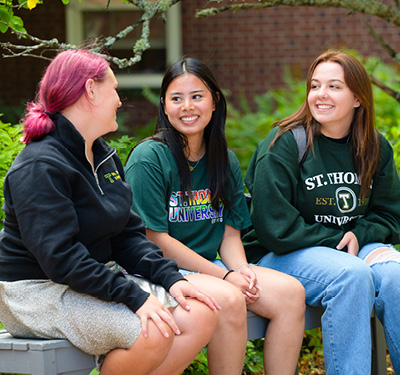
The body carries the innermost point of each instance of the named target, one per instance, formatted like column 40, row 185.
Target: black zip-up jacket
column 64, row 221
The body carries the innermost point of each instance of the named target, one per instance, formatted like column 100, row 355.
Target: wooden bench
column 60, row 357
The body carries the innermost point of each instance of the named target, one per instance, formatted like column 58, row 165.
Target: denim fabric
column 387, row 301
column 347, row 288
column 218, row 262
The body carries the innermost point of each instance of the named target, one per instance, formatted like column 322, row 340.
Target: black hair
column 214, row 133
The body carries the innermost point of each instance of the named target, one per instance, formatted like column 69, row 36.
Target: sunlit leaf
column 32, row 3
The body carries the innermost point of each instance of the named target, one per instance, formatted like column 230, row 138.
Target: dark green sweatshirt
column 296, row 207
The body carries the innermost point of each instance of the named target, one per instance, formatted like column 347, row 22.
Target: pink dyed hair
column 63, row 83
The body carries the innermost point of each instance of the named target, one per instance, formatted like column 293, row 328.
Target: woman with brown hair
column 331, row 220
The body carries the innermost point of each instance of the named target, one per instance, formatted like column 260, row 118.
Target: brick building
column 247, row 50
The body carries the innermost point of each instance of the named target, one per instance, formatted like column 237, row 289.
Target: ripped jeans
column 348, row 288
column 386, row 267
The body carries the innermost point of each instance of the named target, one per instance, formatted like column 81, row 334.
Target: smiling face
column 189, row 105
column 331, row 102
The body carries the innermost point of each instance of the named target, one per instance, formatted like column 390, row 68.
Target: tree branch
column 149, row 9
column 385, row 88
column 372, row 7
column 39, row 46
column 389, row 50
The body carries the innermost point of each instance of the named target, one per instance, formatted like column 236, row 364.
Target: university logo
column 346, row 199
column 112, row 177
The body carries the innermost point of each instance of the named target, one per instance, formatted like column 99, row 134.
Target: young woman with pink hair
column 68, row 221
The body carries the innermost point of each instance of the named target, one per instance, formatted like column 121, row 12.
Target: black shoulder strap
column 299, row 133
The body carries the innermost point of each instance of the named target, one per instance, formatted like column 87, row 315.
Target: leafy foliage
column 386, row 107
column 245, row 128
column 199, row 365
column 149, row 10
column 253, row 362
column 10, row 147
column 8, row 20
column 123, row 145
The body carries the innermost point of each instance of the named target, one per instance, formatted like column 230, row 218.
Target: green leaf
column 3, row 28
column 5, row 13
column 17, row 24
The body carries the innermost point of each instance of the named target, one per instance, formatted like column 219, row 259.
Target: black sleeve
column 48, row 226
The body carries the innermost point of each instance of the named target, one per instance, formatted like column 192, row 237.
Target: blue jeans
column 347, row 288
column 218, row 262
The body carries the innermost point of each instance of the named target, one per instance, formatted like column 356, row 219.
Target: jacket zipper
column 96, row 169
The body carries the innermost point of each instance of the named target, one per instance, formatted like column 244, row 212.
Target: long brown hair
column 363, row 135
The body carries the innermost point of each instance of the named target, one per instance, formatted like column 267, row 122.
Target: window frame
column 173, row 37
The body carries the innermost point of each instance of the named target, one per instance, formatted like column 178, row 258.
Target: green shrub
column 123, row 145
column 253, row 362
column 10, row 146
column 246, row 128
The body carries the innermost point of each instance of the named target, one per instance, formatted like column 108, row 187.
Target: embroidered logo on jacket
column 112, row 176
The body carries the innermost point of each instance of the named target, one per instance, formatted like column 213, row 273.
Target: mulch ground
column 314, row 364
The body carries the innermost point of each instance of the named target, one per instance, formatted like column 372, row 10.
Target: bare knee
column 145, row 355
column 233, row 303
column 298, row 294
column 155, row 342
column 199, row 321
column 290, row 297
column 228, row 296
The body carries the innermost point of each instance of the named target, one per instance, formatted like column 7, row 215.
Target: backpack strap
column 299, row 133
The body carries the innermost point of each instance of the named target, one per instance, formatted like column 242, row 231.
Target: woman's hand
column 350, row 240
column 246, row 280
column 153, row 309
column 182, row 289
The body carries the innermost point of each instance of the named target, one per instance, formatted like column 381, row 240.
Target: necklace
column 201, row 155
column 192, row 168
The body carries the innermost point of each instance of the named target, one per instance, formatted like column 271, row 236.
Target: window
column 90, row 18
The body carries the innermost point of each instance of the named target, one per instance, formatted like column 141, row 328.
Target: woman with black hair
column 188, row 189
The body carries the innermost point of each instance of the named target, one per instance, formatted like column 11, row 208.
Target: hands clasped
column 246, row 280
